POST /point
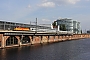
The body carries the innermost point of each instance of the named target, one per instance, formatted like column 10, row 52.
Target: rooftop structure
column 4, row 25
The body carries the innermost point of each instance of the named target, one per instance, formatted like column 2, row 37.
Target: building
column 4, row 25
column 66, row 24
column 76, row 27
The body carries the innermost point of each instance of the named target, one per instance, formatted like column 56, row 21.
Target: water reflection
column 3, row 53
column 69, row 50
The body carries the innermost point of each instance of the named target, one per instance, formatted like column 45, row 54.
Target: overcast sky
column 46, row 11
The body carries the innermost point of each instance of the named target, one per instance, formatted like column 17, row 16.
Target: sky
column 46, row 11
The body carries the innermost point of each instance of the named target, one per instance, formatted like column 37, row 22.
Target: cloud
column 87, row 0
column 62, row 2
column 47, row 4
column 84, row 20
column 44, row 0
column 73, row 1
column 45, row 20
column 29, row 6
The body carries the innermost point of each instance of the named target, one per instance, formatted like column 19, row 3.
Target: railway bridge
column 19, row 38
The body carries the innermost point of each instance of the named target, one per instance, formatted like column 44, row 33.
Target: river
column 68, row 50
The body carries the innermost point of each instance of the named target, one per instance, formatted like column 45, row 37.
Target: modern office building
column 75, row 27
column 65, row 24
column 78, row 28
column 69, row 25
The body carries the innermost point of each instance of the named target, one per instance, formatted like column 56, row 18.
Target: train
column 21, row 29
column 41, row 30
column 24, row 29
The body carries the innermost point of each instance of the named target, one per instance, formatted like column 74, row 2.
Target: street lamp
column 35, row 26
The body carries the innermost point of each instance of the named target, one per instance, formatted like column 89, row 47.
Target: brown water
column 69, row 50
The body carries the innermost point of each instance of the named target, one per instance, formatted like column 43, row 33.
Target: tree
column 62, row 27
column 54, row 24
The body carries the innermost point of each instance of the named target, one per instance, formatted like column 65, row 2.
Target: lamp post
column 36, row 25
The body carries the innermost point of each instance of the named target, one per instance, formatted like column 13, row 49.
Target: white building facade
column 75, row 27
column 69, row 25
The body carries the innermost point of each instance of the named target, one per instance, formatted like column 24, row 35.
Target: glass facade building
column 76, row 27
column 67, row 22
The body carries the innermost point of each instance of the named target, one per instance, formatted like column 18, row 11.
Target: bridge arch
column 12, row 40
column 25, row 40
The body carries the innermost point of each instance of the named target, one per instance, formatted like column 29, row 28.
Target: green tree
column 54, row 24
column 62, row 27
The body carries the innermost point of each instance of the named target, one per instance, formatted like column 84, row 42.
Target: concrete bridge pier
column 48, row 39
column 36, row 40
column 41, row 40
column 20, row 42
column 31, row 39
column 56, row 38
column 44, row 39
column 3, row 41
column 60, row 38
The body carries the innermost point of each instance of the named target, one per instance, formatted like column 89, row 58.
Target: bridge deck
column 30, row 33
